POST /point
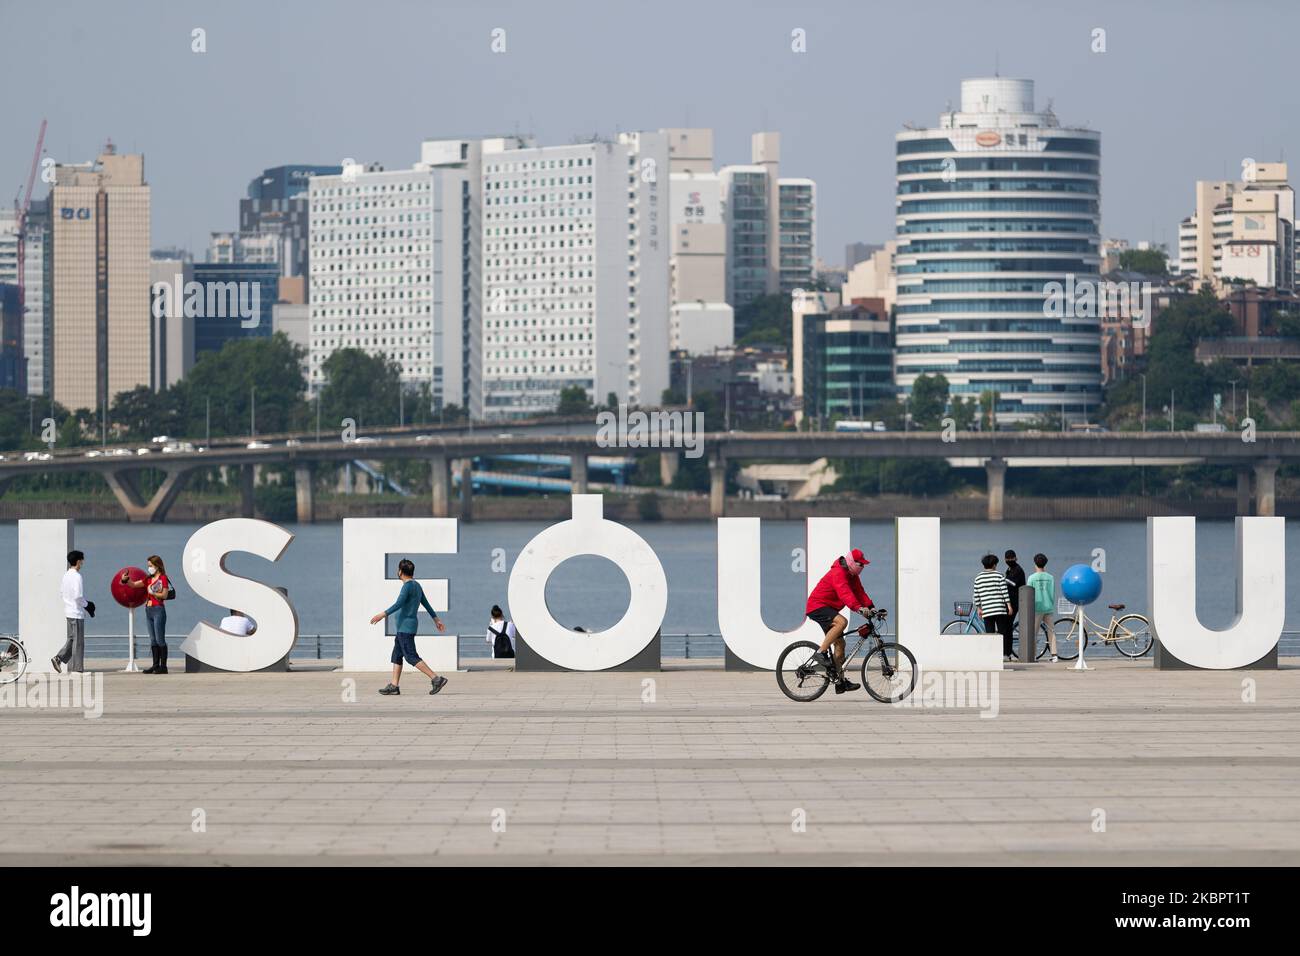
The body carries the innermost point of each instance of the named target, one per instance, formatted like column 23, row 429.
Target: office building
column 770, row 226
column 36, row 314
column 276, row 207
column 172, row 324
column 13, row 365
column 998, row 206
column 701, row 319
column 873, row 277
column 387, row 271
column 575, row 275
column 1242, row 232
column 100, row 291
column 237, row 302
column 842, row 358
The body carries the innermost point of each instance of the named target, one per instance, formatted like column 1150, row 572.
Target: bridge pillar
column 668, row 465
column 1266, row 488
column 440, row 479
column 246, row 482
column 717, row 486
column 996, row 471
column 306, row 495
column 127, row 493
column 578, row 472
column 1243, row 492
column 467, row 489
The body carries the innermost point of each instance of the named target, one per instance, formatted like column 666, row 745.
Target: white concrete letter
column 367, row 590
column 588, row 532
column 277, row 621
column 1261, row 592
column 43, row 546
column 740, row 612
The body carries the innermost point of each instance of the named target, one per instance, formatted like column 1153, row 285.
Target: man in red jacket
column 839, row 587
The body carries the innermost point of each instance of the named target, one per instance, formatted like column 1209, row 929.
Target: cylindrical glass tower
column 999, row 210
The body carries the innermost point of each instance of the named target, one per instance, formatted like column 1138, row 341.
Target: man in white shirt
column 238, row 623
column 75, row 607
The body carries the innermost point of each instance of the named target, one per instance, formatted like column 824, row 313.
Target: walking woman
column 158, row 590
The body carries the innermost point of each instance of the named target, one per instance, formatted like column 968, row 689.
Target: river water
column 593, row 593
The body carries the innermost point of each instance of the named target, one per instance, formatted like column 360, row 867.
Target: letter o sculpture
column 587, row 532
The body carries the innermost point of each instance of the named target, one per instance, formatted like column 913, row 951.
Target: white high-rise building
column 575, row 278
column 996, row 205
column 387, row 276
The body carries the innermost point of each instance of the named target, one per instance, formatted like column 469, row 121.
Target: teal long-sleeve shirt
column 407, row 608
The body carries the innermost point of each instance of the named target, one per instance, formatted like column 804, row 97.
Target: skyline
column 227, row 114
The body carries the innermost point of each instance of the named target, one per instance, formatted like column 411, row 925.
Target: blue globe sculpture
column 1080, row 584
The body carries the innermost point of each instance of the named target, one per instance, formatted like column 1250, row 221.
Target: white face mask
column 151, row 569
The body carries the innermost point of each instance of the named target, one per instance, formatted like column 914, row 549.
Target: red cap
column 859, row 557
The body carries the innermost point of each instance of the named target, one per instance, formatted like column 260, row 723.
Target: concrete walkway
column 718, row 768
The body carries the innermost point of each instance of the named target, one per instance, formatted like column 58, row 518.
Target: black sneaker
column 58, row 665
column 390, row 690
column 846, row 685
column 439, row 683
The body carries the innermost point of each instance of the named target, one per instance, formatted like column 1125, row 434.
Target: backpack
column 501, row 643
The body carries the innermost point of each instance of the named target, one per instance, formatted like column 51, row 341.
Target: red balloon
column 129, row 596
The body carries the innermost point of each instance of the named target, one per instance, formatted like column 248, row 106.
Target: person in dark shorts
column 839, row 587
column 407, row 609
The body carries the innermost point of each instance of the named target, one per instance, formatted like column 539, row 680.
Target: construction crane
column 21, row 208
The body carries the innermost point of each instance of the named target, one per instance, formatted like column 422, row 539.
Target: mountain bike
column 13, row 659
column 1131, row 634
column 888, row 670
column 968, row 622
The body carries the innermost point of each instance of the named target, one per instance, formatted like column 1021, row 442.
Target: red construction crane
column 20, row 225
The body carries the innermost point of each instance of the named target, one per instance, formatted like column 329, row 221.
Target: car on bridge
column 258, row 444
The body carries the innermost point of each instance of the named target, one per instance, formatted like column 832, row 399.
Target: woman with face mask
column 158, row 589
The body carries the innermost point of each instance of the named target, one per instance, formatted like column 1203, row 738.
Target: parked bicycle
column 13, row 659
column 1130, row 634
column 968, row 622
column 888, row 670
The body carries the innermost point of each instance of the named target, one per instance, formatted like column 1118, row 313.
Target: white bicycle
column 13, row 658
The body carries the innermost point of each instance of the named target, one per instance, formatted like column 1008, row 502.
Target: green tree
column 765, row 321
column 1152, row 262
column 361, row 387
column 225, row 381
column 573, row 401
column 928, row 400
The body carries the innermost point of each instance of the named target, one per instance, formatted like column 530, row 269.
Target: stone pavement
column 718, row 768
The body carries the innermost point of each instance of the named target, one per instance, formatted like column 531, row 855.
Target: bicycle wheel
column 889, row 672
column 959, row 626
column 1133, row 635
column 799, row 677
column 1067, row 638
column 1040, row 648
column 13, row 660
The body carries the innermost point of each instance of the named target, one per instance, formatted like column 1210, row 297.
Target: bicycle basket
column 962, row 608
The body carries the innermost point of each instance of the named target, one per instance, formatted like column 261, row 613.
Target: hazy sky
column 314, row 82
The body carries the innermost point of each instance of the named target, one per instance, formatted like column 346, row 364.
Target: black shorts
column 825, row 616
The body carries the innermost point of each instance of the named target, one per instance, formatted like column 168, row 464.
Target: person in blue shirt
column 407, row 609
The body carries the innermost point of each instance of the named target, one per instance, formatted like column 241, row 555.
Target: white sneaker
column 1055, row 659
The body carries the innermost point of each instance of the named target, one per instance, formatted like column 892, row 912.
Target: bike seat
column 1116, row 607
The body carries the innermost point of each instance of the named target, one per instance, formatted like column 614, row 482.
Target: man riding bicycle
column 839, row 587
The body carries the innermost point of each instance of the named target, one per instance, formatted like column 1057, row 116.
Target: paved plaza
column 1119, row 765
